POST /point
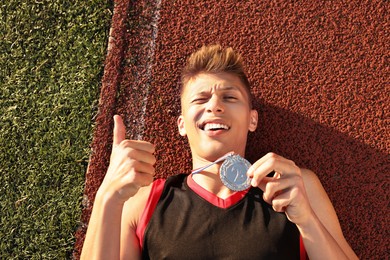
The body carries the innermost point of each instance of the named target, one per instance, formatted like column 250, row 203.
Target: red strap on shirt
column 154, row 196
column 302, row 251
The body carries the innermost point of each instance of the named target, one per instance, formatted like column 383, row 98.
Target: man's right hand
column 131, row 165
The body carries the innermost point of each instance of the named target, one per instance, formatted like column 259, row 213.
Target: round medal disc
column 233, row 173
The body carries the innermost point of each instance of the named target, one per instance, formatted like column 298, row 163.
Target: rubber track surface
column 320, row 74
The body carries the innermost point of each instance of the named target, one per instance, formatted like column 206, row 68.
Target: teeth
column 213, row 126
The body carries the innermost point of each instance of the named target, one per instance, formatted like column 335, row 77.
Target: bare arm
column 299, row 194
column 103, row 230
column 131, row 167
column 133, row 209
column 325, row 225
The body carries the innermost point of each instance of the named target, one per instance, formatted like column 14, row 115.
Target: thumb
column 263, row 183
column 119, row 133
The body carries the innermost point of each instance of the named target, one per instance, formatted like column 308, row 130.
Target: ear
column 254, row 118
column 180, row 126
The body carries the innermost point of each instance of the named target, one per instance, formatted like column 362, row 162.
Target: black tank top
column 191, row 223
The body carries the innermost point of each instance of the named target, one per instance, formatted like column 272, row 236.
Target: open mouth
column 214, row 127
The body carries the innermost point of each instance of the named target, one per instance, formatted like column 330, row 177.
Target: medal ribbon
column 220, row 159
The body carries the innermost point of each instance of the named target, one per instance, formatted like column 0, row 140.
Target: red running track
column 320, row 75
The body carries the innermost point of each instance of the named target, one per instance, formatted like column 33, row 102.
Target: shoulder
column 134, row 207
column 146, row 198
column 131, row 214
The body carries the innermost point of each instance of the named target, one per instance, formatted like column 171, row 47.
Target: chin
column 213, row 153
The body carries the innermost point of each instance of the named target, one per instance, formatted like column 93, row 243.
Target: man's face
column 216, row 115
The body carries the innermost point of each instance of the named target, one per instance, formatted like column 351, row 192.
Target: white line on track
column 149, row 66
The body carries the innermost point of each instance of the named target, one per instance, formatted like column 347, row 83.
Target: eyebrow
column 223, row 88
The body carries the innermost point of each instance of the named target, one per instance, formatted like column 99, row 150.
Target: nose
column 215, row 105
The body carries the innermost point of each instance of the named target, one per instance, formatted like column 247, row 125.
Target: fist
column 131, row 165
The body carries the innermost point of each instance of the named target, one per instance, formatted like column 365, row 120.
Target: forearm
column 103, row 235
column 320, row 244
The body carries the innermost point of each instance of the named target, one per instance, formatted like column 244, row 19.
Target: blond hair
column 214, row 59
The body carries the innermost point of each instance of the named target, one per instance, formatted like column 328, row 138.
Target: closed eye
column 230, row 98
column 199, row 100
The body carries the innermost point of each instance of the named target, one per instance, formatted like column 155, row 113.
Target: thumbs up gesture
column 131, row 165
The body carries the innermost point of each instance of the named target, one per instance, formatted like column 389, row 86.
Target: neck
column 209, row 180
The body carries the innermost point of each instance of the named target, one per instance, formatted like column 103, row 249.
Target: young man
column 196, row 216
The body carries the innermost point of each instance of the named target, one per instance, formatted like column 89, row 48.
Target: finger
column 147, row 168
column 281, row 202
column 259, row 162
column 263, row 183
column 270, row 177
column 140, row 155
column 262, row 171
column 139, row 145
column 139, row 179
column 269, row 157
column 277, row 164
column 119, row 132
column 133, row 167
column 276, row 187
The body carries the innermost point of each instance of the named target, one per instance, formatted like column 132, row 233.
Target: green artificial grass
column 51, row 56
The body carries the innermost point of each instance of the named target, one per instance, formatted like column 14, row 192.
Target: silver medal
column 233, row 173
